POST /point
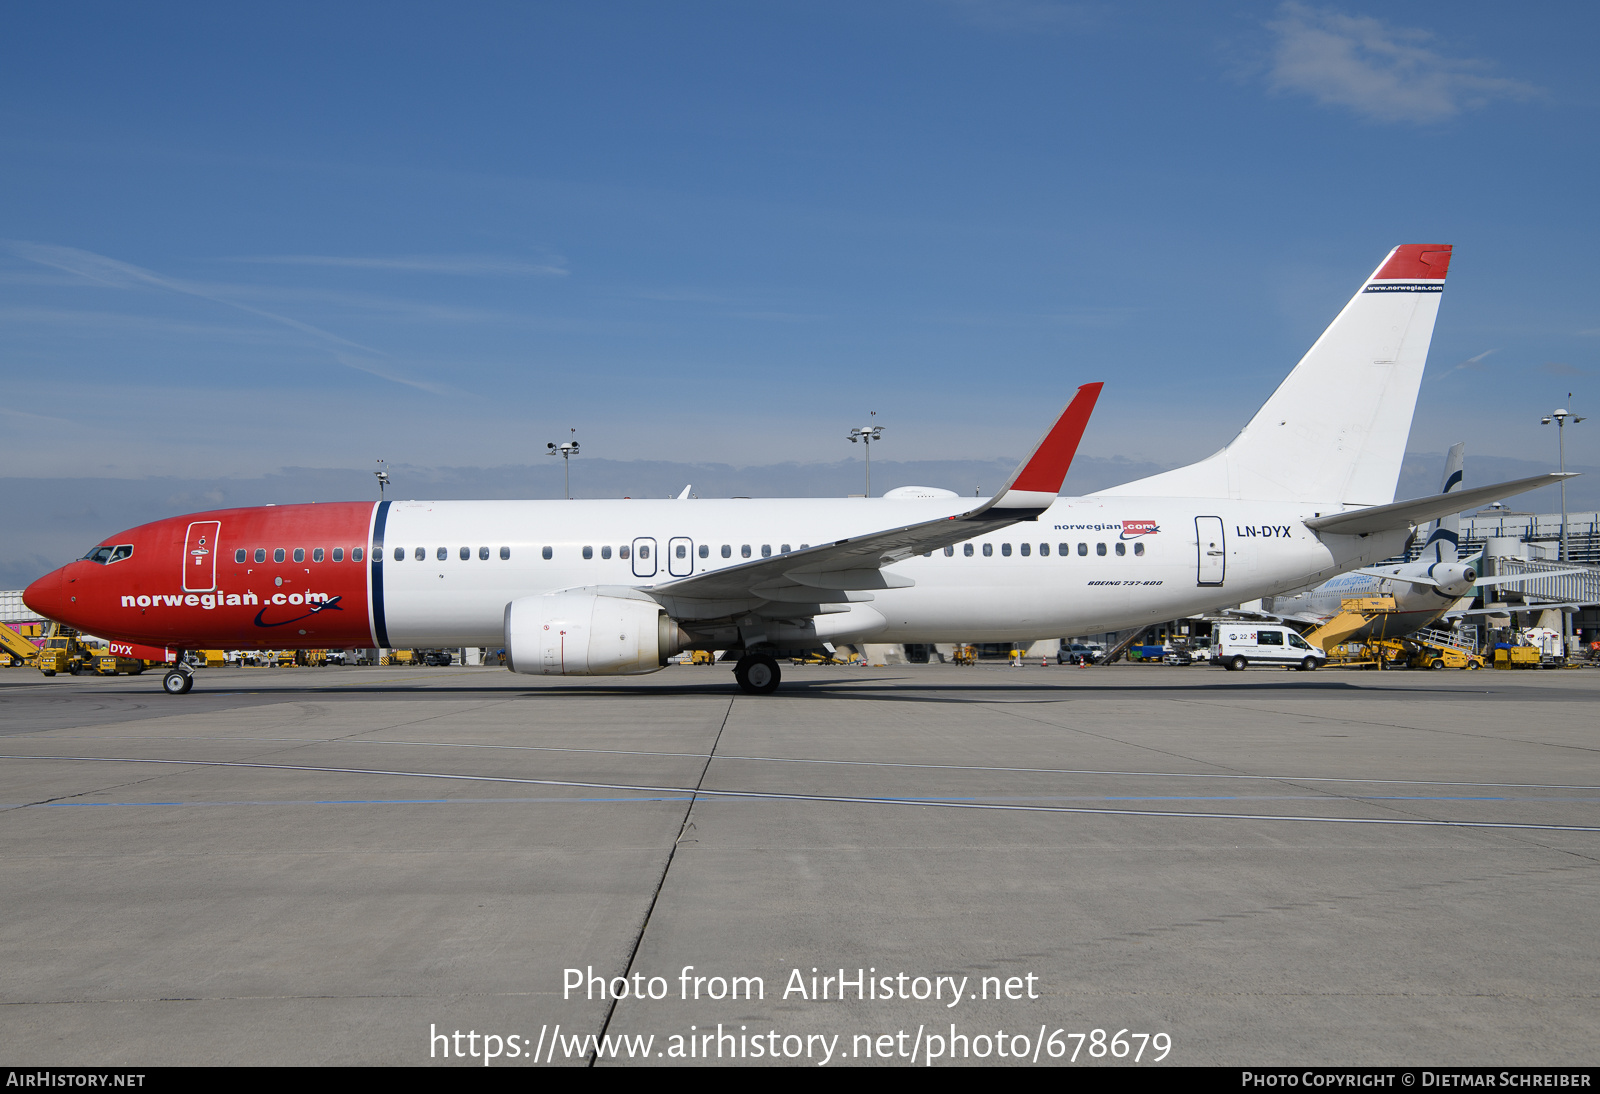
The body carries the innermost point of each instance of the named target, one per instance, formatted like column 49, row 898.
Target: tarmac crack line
column 661, row 882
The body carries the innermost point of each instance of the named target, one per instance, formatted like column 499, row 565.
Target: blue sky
column 238, row 240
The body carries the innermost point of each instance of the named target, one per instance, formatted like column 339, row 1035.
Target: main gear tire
column 757, row 674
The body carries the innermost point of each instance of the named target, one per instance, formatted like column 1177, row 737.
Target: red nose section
column 48, row 597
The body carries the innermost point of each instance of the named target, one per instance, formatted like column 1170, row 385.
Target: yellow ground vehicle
column 965, row 655
column 702, row 657
column 1517, row 657
column 111, row 665
column 62, row 652
column 212, row 659
column 18, row 650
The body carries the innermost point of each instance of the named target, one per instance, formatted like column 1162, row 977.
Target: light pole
column 383, row 479
column 1560, row 418
column 566, row 450
column 866, row 434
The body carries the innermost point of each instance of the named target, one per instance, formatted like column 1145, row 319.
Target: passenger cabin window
column 466, row 554
column 1024, row 549
column 1138, row 548
column 238, row 556
column 766, row 550
column 705, row 552
column 784, row 549
column 399, row 554
column 505, row 553
column 624, row 552
column 261, row 554
column 588, row 552
column 1122, row 549
column 644, row 550
column 355, row 555
column 727, row 550
column 681, row 551
column 316, row 555
column 988, row 550
column 1063, row 549
column 338, row 554
column 744, row 551
column 605, row 552
column 547, row 553
column 949, row 552
column 277, row 555
column 966, row 549
column 1083, row 548
column 1005, row 549
column 299, row 554
column 1044, row 549
column 422, row 554
column 483, row 554
column 1099, row 548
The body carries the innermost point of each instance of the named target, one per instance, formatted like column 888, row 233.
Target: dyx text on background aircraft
column 1304, row 492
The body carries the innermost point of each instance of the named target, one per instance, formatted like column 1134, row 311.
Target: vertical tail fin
column 1335, row 430
column 1444, row 541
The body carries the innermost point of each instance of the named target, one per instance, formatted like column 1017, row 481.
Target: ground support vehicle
column 17, row 650
column 1239, row 645
column 112, row 665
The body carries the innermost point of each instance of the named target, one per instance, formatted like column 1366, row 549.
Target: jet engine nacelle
column 1455, row 579
column 588, row 634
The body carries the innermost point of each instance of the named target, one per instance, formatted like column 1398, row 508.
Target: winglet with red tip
column 1037, row 482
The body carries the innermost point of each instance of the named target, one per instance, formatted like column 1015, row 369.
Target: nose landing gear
column 179, row 679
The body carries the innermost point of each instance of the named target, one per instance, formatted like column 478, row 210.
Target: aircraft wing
column 1383, row 518
column 848, row 569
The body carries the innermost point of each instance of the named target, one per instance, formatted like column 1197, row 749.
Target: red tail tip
column 1414, row 261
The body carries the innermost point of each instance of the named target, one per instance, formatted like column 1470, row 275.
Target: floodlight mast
column 866, row 434
column 1560, row 418
column 566, row 450
column 383, row 478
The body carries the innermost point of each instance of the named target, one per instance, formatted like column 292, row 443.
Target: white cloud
column 1380, row 71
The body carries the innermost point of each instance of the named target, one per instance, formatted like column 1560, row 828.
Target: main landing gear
column 179, row 678
column 757, row 674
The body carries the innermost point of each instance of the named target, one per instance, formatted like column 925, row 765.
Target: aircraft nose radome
column 47, row 596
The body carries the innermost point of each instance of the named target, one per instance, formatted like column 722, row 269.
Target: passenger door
column 1212, row 549
column 200, row 556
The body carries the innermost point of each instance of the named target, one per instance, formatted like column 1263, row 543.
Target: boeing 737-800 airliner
column 615, row 587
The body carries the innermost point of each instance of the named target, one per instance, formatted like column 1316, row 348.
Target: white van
column 1237, row 645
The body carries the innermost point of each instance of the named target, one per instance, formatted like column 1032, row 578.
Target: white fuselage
column 1181, row 556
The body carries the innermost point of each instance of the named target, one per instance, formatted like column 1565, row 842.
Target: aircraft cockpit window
column 588, row 552
column 483, row 554
column 239, row 555
column 338, row 554
column 102, row 555
column 605, row 552
column 1122, row 549
column 421, row 554
column 547, row 553
column 277, row 554
column 505, row 553
column 261, row 554
column 316, row 555
column 1100, row 548
column 988, row 550
column 299, row 554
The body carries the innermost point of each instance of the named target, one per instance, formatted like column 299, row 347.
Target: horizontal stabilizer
column 1503, row 579
column 1384, row 518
